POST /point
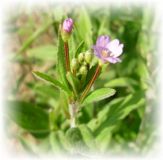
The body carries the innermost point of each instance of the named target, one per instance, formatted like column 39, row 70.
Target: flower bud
column 88, row 56
column 74, row 64
column 83, row 70
column 81, row 57
column 66, row 29
column 68, row 25
column 84, row 63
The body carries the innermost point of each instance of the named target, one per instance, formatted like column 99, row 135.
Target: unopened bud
column 83, row 70
column 84, row 63
column 66, row 29
column 68, row 25
column 81, row 57
column 88, row 56
column 74, row 64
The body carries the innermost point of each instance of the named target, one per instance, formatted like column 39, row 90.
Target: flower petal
column 113, row 59
column 115, row 48
column 97, row 51
column 102, row 41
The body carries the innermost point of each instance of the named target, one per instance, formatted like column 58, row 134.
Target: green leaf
column 28, row 116
column 42, row 90
column 84, row 27
column 27, row 145
column 79, row 48
column 72, row 47
column 74, row 137
column 45, row 52
column 98, row 95
column 88, row 136
column 61, row 62
column 63, row 140
column 74, row 82
column 103, row 139
column 48, row 78
column 55, row 142
column 121, row 82
column 116, row 110
column 89, row 76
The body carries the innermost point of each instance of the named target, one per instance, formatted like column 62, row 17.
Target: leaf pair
column 94, row 96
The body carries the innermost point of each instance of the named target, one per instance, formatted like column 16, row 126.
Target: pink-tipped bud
column 68, row 25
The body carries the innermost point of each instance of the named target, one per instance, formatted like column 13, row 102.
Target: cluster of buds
column 81, row 64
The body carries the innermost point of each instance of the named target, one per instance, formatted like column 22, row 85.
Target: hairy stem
column 66, row 49
column 73, row 111
column 88, row 87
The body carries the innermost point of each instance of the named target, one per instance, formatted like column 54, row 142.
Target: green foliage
column 29, row 116
column 116, row 110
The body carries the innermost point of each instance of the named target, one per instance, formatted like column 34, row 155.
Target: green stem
column 88, row 87
column 66, row 48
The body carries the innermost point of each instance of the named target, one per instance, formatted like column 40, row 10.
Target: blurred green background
column 37, row 116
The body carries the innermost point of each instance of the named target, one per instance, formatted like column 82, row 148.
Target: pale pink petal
column 118, row 51
column 115, row 48
column 113, row 45
column 113, row 59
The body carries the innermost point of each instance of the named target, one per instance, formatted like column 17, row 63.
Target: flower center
column 104, row 53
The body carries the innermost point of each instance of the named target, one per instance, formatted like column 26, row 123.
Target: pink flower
column 108, row 50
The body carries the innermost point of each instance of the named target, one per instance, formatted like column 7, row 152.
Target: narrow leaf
column 55, row 142
column 84, row 27
column 88, row 136
column 48, row 78
column 98, row 95
column 103, row 139
column 74, row 82
column 61, row 62
column 121, row 82
column 79, row 48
